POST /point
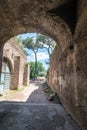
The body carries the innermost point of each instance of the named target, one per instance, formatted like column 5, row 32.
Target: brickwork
column 26, row 75
column 15, row 74
column 17, row 61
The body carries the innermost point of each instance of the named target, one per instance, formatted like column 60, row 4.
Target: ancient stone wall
column 68, row 77
column 26, row 74
column 68, row 72
column 17, row 61
column 66, row 22
column 15, row 75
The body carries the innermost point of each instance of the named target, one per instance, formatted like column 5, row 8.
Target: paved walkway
column 31, row 94
column 30, row 109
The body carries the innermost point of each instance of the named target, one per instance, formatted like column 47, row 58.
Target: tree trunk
column 48, row 52
column 1, row 57
column 35, row 72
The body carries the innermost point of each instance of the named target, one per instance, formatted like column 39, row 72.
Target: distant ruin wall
column 17, row 61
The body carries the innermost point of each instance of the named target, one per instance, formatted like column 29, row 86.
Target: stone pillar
column 15, row 75
column 26, row 75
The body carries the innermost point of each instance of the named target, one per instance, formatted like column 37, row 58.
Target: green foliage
column 19, row 41
column 47, row 43
column 34, row 44
column 32, row 70
column 40, row 70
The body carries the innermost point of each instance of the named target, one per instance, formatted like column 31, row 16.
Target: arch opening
column 53, row 18
column 6, row 74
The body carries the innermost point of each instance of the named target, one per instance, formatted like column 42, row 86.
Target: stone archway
column 35, row 16
column 9, row 63
column 20, row 17
column 26, row 16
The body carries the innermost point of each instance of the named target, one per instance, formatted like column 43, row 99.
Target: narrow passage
column 30, row 109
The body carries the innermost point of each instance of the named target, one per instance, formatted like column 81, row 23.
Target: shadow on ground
column 37, row 113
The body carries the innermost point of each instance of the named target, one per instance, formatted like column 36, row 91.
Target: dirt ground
column 30, row 109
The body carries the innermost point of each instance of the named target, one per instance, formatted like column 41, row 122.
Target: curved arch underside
column 19, row 17
column 65, row 21
column 9, row 63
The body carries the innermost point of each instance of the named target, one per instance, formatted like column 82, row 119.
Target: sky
column 42, row 55
column 24, row 36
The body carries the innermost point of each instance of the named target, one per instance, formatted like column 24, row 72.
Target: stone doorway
column 5, row 75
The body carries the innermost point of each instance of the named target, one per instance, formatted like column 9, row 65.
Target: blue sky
column 24, row 36
column 42, row 55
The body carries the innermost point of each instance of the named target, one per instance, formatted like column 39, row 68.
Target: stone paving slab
column 31, row 116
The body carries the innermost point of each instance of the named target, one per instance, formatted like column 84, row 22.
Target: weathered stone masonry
column 17, row 61
column 68, row 71
column 66, row 22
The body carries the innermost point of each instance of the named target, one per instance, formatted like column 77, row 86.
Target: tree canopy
column 19, row 41
column 46, row 42
column 34, row 44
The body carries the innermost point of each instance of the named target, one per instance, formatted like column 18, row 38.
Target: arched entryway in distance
column 27, row 17
column 6, row 74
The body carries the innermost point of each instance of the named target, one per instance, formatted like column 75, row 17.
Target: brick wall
column 26, row 74
column 17, row 60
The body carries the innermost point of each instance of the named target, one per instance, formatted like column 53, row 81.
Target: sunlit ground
column 20, row 95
